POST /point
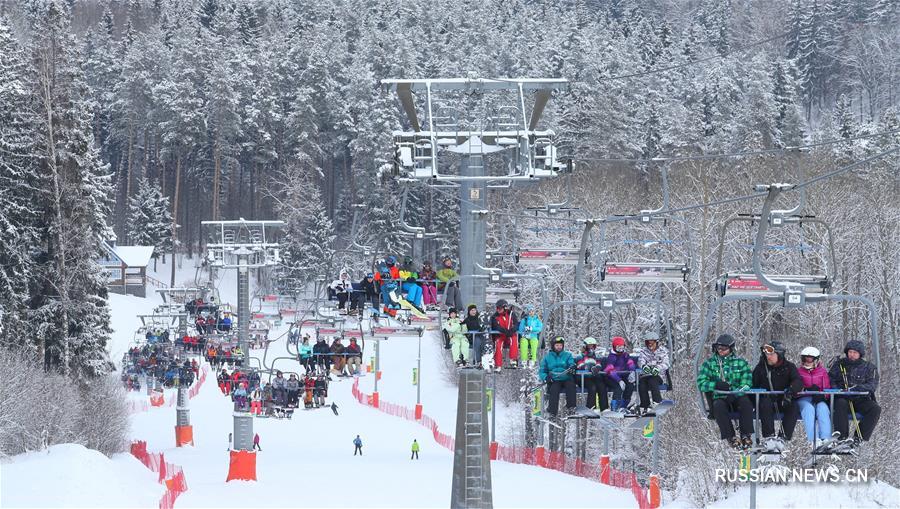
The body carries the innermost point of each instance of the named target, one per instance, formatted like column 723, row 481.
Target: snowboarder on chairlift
column 556, row 370
column 725, row 371
column 503, row 332
column 774, row 372
column 653, row 362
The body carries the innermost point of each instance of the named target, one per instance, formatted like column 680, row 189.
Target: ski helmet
column 451, row 311
column 502, row 303
column 724, row 340
column 558, row 339
column 391, row 260
column 528, row 308
column 617, row 342
column 810, row 351
column 589, row 341
column 651, row 336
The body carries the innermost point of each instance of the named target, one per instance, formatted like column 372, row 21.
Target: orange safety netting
column 521, row 455
column 169, row 475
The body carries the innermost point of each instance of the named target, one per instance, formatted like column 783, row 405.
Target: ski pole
column 852, row 409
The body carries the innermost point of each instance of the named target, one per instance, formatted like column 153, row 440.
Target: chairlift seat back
column 549, row 256
column 644, row 272
column 749, row 284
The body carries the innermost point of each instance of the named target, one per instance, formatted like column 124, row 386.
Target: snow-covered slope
column 70, row 475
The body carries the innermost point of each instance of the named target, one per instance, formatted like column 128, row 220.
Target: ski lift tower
column 429, row 150
column 243, row 245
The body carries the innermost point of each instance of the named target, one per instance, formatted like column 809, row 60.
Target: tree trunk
column 59, row 253
column 215, row 189
column 175, row 215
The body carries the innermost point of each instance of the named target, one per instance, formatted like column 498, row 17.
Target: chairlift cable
column 735, row 154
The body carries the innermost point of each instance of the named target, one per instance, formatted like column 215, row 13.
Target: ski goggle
column 768, row 349
column 808, row 358
column 620, row 348
column 722, row 348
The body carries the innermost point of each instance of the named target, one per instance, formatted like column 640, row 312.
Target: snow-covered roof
column 134, row 256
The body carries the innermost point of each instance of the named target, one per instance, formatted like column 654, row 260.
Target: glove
column 647, row 370
column 722, row 385
column 654, row 371
column 621, row 385
column 814, row 388
column 631, row 377
column 788, row 395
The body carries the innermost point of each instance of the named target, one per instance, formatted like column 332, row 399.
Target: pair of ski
column 612, row 418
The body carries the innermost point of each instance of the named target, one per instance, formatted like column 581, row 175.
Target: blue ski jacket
column 555, row 365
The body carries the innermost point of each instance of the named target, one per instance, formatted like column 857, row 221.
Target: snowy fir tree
column 149, row 219
column 69, row 309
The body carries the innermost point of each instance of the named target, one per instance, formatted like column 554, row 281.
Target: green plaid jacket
column 736, row 371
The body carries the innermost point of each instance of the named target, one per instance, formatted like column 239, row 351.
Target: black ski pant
column 292, row 397
column 618, row 394
column 647, row 386
column 342, row 300
column 415, row 454
column 865, row 406
column 732, row 403
column 553, row 399
column 768, row 405
column 595, row 388
column 357, row 448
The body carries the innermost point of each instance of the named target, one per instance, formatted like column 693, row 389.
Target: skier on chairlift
column 774, row 372
column 725, row 371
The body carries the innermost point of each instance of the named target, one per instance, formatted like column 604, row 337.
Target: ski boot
column 735, row 443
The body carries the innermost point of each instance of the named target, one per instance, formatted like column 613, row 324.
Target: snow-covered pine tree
column 20, row 186
column 149, row 221
column 68, row 305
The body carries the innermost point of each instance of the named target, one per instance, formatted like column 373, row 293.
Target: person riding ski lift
column 503, row 330
column 814, row 409
column 724, row 379
column 653, row 362
column 530, row 328
column 619, row 374
column 774, row 372
column 853, row 373
column 592, row 378
column 556, row 370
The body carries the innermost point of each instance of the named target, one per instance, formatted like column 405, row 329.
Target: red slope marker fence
column 169, row 475
column 539, row 457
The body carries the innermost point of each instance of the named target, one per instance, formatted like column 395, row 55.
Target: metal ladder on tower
column 471, row 465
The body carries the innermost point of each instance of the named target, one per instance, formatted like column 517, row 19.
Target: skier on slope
column 725, row 371
column 503, row 332
column 556, row 370
column 357, row 445
column 854, row 373
column 415, row 450
column 653, row 361
column 459, row 344
column 530, row 328
column 774, row 372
